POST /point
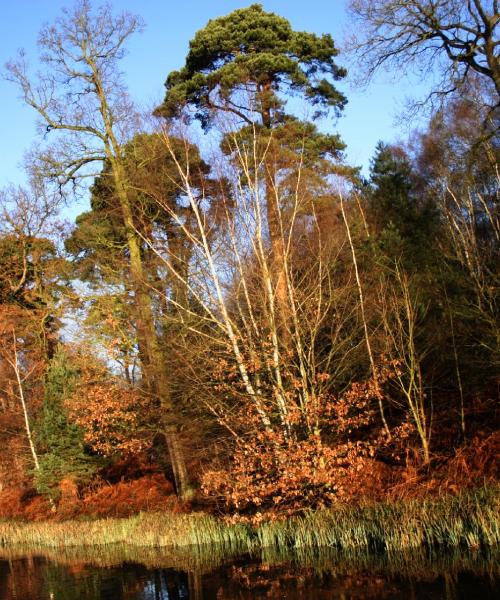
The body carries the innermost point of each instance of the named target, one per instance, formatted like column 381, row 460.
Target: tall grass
column 145, row 529
column 470, row 520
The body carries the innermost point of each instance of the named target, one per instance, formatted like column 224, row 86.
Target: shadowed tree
column 404, row 218
column 32, row 285
column 62, row 454
column 98, row 245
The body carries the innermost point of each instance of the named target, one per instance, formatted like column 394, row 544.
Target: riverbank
column 470, row 519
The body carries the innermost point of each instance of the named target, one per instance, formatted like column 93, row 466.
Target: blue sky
column 369, row 116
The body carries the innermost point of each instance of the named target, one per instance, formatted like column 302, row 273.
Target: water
column 125, row 573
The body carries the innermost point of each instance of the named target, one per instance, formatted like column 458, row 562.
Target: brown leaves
column 321, row 457
column 110, row 416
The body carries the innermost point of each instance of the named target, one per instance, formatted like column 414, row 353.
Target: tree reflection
column 327, row 577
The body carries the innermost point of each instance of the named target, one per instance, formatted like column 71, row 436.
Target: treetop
column 251, row 50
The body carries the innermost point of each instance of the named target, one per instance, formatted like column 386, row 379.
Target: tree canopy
column 251, row 52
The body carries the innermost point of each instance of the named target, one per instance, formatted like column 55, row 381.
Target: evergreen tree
column 62, row 450
column 243, row 65
column 404, row 220
column 241, row 62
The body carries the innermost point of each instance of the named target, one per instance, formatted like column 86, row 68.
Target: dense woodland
column 241, row 320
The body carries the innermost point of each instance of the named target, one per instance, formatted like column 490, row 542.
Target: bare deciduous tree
column 234, row 319
column 401, row 313
column 455, row 37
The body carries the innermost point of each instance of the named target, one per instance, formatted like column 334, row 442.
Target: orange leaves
column 323, row 452
column 110, row 416
column 286, row 470
column 149, row 493
column 285, row 476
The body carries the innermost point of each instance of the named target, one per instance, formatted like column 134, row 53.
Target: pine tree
column 241, row 64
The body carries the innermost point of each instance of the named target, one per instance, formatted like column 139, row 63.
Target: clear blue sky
column 170, row 25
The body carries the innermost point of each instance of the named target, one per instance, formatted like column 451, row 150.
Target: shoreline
column 469, row 519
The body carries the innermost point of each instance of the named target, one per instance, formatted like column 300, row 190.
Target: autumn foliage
column 332, row 461
column 249, row 324
column 111, row 416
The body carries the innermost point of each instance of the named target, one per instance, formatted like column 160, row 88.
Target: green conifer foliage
column 241, row 62
column 404, row 218
column 60, row 442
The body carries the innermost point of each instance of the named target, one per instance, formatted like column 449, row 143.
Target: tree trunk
column 149, row 349
column 178, row 463
column 179, row 260
column 278, row 250
column 276, row 230
column 15, row 366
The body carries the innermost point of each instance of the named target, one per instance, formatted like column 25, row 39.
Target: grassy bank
column 470, row 519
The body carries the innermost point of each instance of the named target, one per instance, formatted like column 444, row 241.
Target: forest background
column 242, row 319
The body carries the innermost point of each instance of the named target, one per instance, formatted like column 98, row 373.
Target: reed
column 470, row 520
column 145, row 529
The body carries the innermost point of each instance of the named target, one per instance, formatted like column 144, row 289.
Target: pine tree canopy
column 257, row 53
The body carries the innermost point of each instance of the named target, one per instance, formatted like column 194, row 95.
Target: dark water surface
column 123, row 573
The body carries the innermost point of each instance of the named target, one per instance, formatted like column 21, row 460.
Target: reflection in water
column 103, row 575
